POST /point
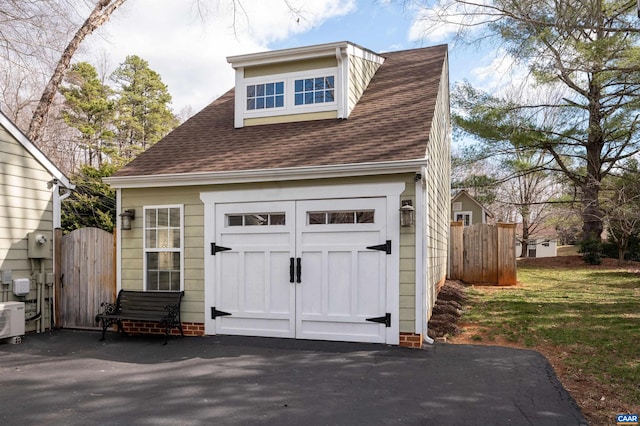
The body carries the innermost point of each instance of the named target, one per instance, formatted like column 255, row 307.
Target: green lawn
column 590, row 316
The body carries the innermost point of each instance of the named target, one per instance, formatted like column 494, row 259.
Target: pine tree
column 143, row 113
column 90, row 109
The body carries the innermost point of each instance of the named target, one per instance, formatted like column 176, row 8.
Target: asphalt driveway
column 70, row 378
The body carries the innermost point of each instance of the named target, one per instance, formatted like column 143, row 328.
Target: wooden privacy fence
column 483, row 254
column 87, row 276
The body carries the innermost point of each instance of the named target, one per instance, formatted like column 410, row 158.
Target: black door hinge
column 216, row 313
column 215, row 248
column 386, row 247
column 386, row 319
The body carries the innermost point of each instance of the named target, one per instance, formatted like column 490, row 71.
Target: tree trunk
column 99, row 15
column 525, row 238
column 621, row 252
column 592, row 214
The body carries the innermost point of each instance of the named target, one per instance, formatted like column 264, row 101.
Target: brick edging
column 138, row 327
column 407, row 340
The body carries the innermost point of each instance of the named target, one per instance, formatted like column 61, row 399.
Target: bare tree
column 30, row 33
column 529, row 192
column 99, row 15
column 622, row 207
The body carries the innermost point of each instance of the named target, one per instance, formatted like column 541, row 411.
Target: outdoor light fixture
column 127, row 216
column 407, row 214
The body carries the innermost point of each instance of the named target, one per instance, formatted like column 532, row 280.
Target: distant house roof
column 34, row 151
column 390, row 125
column 539, row 231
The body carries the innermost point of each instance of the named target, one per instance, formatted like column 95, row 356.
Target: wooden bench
column 149, row 306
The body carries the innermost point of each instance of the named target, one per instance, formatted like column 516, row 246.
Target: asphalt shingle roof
column 391, row 122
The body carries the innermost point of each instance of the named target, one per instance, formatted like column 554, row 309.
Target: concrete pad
column 69, row 377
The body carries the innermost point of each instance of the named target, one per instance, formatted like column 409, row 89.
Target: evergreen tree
column 143, row 113
column 89, row 109
column 93, row 203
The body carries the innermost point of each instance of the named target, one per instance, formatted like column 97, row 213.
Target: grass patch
column 589, row 316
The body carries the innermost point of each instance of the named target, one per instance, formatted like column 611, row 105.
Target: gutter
column 266, row 175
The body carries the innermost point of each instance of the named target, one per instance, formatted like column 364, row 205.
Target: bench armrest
column 173, row 311
column 108, row 308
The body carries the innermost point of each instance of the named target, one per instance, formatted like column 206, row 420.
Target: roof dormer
column 301, row 84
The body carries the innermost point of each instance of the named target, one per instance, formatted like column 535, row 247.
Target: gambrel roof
column 390, row 124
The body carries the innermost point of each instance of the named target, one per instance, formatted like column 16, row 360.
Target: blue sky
column 188, row 47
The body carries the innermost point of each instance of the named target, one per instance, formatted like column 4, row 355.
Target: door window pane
column 340, row 217
column 256, row 219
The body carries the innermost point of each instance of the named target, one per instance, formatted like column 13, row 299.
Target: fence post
column 507, row 262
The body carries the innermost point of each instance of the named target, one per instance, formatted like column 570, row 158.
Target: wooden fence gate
column 87, row 276
column 483, row 254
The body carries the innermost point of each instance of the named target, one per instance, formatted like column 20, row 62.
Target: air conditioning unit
column 11, row 319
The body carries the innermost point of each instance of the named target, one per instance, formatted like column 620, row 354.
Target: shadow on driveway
column 69, row 377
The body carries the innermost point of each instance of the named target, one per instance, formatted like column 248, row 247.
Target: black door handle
column 299, row 271
column 292, row 268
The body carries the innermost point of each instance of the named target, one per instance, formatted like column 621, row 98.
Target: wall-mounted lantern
column 407, row 214
column 126, row 217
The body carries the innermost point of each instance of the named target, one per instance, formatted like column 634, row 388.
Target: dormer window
column 301, row 84
column 290, row 93
column 268, row 95
column 314, row 90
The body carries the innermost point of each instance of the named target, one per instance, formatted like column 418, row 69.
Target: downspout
column 341, row 86
column 38, row 316
column 41, row 291
column 118, row 241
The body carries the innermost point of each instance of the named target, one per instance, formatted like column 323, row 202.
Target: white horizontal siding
column 25, row 206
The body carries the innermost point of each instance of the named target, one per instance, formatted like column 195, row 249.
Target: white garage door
column 302, row 269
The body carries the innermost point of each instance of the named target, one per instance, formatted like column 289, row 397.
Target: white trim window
column 290, row 93
column 316, row 90
column 265, row 95
column 163, row 248
column 464, row 217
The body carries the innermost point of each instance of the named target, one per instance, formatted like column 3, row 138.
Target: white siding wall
column 25, row 207
column 438, row 183
column 408, row 266
column 132, row 253
column 361, row 72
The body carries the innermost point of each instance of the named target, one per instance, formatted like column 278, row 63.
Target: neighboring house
column 542, row 241
column 277, row 207
column 31, row 190
column 468, row 210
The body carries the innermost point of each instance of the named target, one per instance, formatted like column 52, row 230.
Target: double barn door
column 313, row 269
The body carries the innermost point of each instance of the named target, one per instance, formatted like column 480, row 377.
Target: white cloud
column 501, row 71
column 188, row 46
column 505, row 78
